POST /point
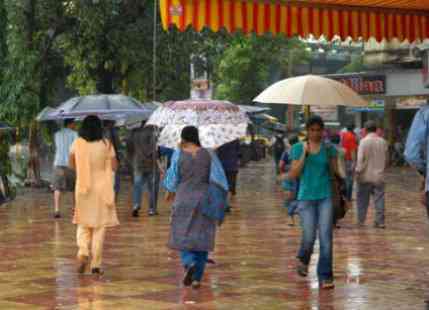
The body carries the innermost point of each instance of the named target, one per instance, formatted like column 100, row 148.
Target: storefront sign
column 376, row 105
column 410, row 103
column 364, row 84
column 425, row 70
column 328, row 114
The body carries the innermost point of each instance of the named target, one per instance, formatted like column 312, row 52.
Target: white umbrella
column 311, row 90
column 218, row 122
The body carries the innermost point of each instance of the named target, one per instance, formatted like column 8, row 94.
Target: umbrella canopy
column 311, row 90
column 253, row 110
column 219, row 122
column 123, row 110
column 5, row 126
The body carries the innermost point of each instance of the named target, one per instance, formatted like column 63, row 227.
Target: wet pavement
column 255, row 265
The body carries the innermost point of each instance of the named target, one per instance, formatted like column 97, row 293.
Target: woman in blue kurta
column 311, row 163
column 187, row 182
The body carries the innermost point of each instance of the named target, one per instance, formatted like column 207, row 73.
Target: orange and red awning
column 355, row 18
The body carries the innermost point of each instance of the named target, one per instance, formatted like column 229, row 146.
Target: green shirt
column 315, row 180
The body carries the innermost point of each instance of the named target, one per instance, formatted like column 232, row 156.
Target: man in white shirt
column 370, row 167
column 64, row 177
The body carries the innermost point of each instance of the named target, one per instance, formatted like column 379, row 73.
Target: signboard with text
column 363, row 84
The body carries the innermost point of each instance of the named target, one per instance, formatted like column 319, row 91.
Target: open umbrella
column 311, row 90
column 124, row 110
column 4, row 126
column 219, row 122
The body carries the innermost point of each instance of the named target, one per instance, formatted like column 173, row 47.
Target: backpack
column 278, row 147
column 145, row 148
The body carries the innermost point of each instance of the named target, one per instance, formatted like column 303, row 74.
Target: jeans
column 196, row 258
column 152, row 182
column 317, row 215
column 364, row 191
column 349, row 179
column 117, row 183
column 292, row 206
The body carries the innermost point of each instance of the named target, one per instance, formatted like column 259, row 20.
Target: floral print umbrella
column 219, row 122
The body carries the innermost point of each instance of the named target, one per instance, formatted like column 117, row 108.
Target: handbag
column 215, row 202
column 339, row 202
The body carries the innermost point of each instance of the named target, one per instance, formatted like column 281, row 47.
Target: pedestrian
column 417, row 150
column 340, row 200
column 187, row 183
column 370, row 167
column 7, row 193
column 313, row 162
column 349, row 143
column 144, row 155
column 64, row 177
column 111, row 134
column 94, row 160
column 229, row 156
column 290, row 186
column 278, row 146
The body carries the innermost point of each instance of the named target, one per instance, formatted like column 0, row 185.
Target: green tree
column 251, row 63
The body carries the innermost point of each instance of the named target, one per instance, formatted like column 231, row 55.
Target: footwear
column 97, row 271
column 196, row 284
column 326, row 284
column 291, row 221
column 57, row 215
column 360, row 224
column 135, row 213
column 83, row 261
column 152, row 212
column 380, row 226
column 302, row 269
column 187, row 279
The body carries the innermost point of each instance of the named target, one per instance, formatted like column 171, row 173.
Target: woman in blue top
column 311, row 163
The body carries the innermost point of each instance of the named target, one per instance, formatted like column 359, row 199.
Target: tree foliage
column 250, row 64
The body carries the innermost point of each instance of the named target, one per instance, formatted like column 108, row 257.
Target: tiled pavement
column 374, row 269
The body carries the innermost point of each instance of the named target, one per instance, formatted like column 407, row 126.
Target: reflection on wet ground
column 255, row 266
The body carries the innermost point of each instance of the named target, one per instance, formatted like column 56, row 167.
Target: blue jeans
column 117, row 183
column 317, row 215
column 196, row 258
column 140, row 180
column 292, row 206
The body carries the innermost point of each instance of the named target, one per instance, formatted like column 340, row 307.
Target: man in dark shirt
column 229, row 155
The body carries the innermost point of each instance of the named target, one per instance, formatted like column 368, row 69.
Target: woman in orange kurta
column 94, row 160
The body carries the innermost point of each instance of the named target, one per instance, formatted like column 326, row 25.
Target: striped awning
column 366, row 19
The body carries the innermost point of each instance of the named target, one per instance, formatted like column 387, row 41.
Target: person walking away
column 94, row 161
column 349, row 143
column 5, row 168
column 340, row 200
column 371, row 164
column 417, row 150
column 229, row 156
column 290, row 186
column 312, row 163
column 111, row 134
column 278, row 147
column 144, row 155
column 64, row 177
column 187, row 183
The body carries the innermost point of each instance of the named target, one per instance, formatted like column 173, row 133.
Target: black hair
column 315, row 120
column 371, row 126
column 190, row 134
column 350, row 127
column 293, row 140
column 68, row 121
column 91, row 129
column 335, row 139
